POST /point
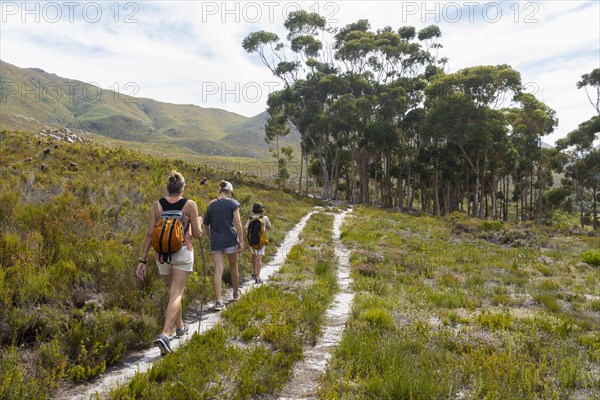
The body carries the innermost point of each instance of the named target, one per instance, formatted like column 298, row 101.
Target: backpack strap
column 166, row 206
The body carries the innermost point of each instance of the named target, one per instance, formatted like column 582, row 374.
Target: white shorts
column 259, row 252
column 183, row 260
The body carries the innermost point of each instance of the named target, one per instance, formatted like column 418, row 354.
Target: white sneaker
column 219, row 306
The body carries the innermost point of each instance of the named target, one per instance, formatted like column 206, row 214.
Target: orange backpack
column 168, row 234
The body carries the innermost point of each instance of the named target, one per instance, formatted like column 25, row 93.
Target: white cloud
column 190, row 52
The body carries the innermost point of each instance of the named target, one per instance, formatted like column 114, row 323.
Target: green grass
column 441, row 312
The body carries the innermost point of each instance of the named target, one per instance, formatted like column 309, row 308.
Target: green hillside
column 33, row 99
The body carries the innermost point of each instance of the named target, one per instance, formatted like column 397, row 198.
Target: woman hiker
column 175, row 270
column 224, row 227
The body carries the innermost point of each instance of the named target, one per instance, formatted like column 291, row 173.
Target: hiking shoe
column 236, row 296
column 181, row 332
column 258, row 280
column 219, row 306
column 163, row 342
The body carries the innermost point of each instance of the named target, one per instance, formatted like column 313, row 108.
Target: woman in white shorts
column 174, row 273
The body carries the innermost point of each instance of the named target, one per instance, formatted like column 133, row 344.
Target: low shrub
column 591, row 257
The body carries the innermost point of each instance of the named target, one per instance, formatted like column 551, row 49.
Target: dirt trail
column 142, row 361
column 305, row 378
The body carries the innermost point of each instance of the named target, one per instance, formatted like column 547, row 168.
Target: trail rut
column 305, row 378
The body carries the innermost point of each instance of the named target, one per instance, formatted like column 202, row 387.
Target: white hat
column 228, row 186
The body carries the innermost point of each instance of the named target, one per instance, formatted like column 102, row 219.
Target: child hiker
column 256, row 234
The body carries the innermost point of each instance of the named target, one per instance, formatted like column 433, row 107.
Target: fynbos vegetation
column 444, row 313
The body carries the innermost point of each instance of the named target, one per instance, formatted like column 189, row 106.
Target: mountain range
column 33, row 99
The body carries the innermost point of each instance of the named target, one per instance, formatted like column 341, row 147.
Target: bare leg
column 179, row 320
column 235, row 273
column 176, row 288
column 218, row 260
column 258, row 265
column 255, row 269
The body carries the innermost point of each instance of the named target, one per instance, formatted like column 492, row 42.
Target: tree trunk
column 388, row 196
column 436, row 198
column 323, row 163
column 483, row 208
column 349, row 197
column 401, row 185
column 409, row 198
column 423, row 190
column 517, row 211
column 476, row 192
column 468, row 193
column 301, row 165
column 366, row 198
column 494, row 197
column 594, row 205
column 377, row 187
column 540, row 195
column 505, row 200
column 448, row 200
column 336, row 175
column 523, row 200
column 411, row 201
column 306, row 177
column 581, row 208
column 531, row 197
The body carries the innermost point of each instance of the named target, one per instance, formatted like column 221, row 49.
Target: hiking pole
column 203, row 284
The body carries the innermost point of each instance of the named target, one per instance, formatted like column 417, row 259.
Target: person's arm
column 237, row 221
column 207, row 228
column 195, row 220
column 268, row 225
column 207, row 220
column 152, row 217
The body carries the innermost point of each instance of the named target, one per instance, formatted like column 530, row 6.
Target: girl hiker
column 224, row 227
column 256, row 232
column 175, row 267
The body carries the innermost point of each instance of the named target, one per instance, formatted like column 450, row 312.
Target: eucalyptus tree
column 582, row 168
column 377, row 69
column 275, row 128
column 593, row 80
column 390, row 62
column 321, row 90
column 529, row 122
column 411, row 142
column 463, row 109
column 289, row 61
column 583, row 165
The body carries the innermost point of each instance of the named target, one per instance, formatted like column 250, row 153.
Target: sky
column 189, row 52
